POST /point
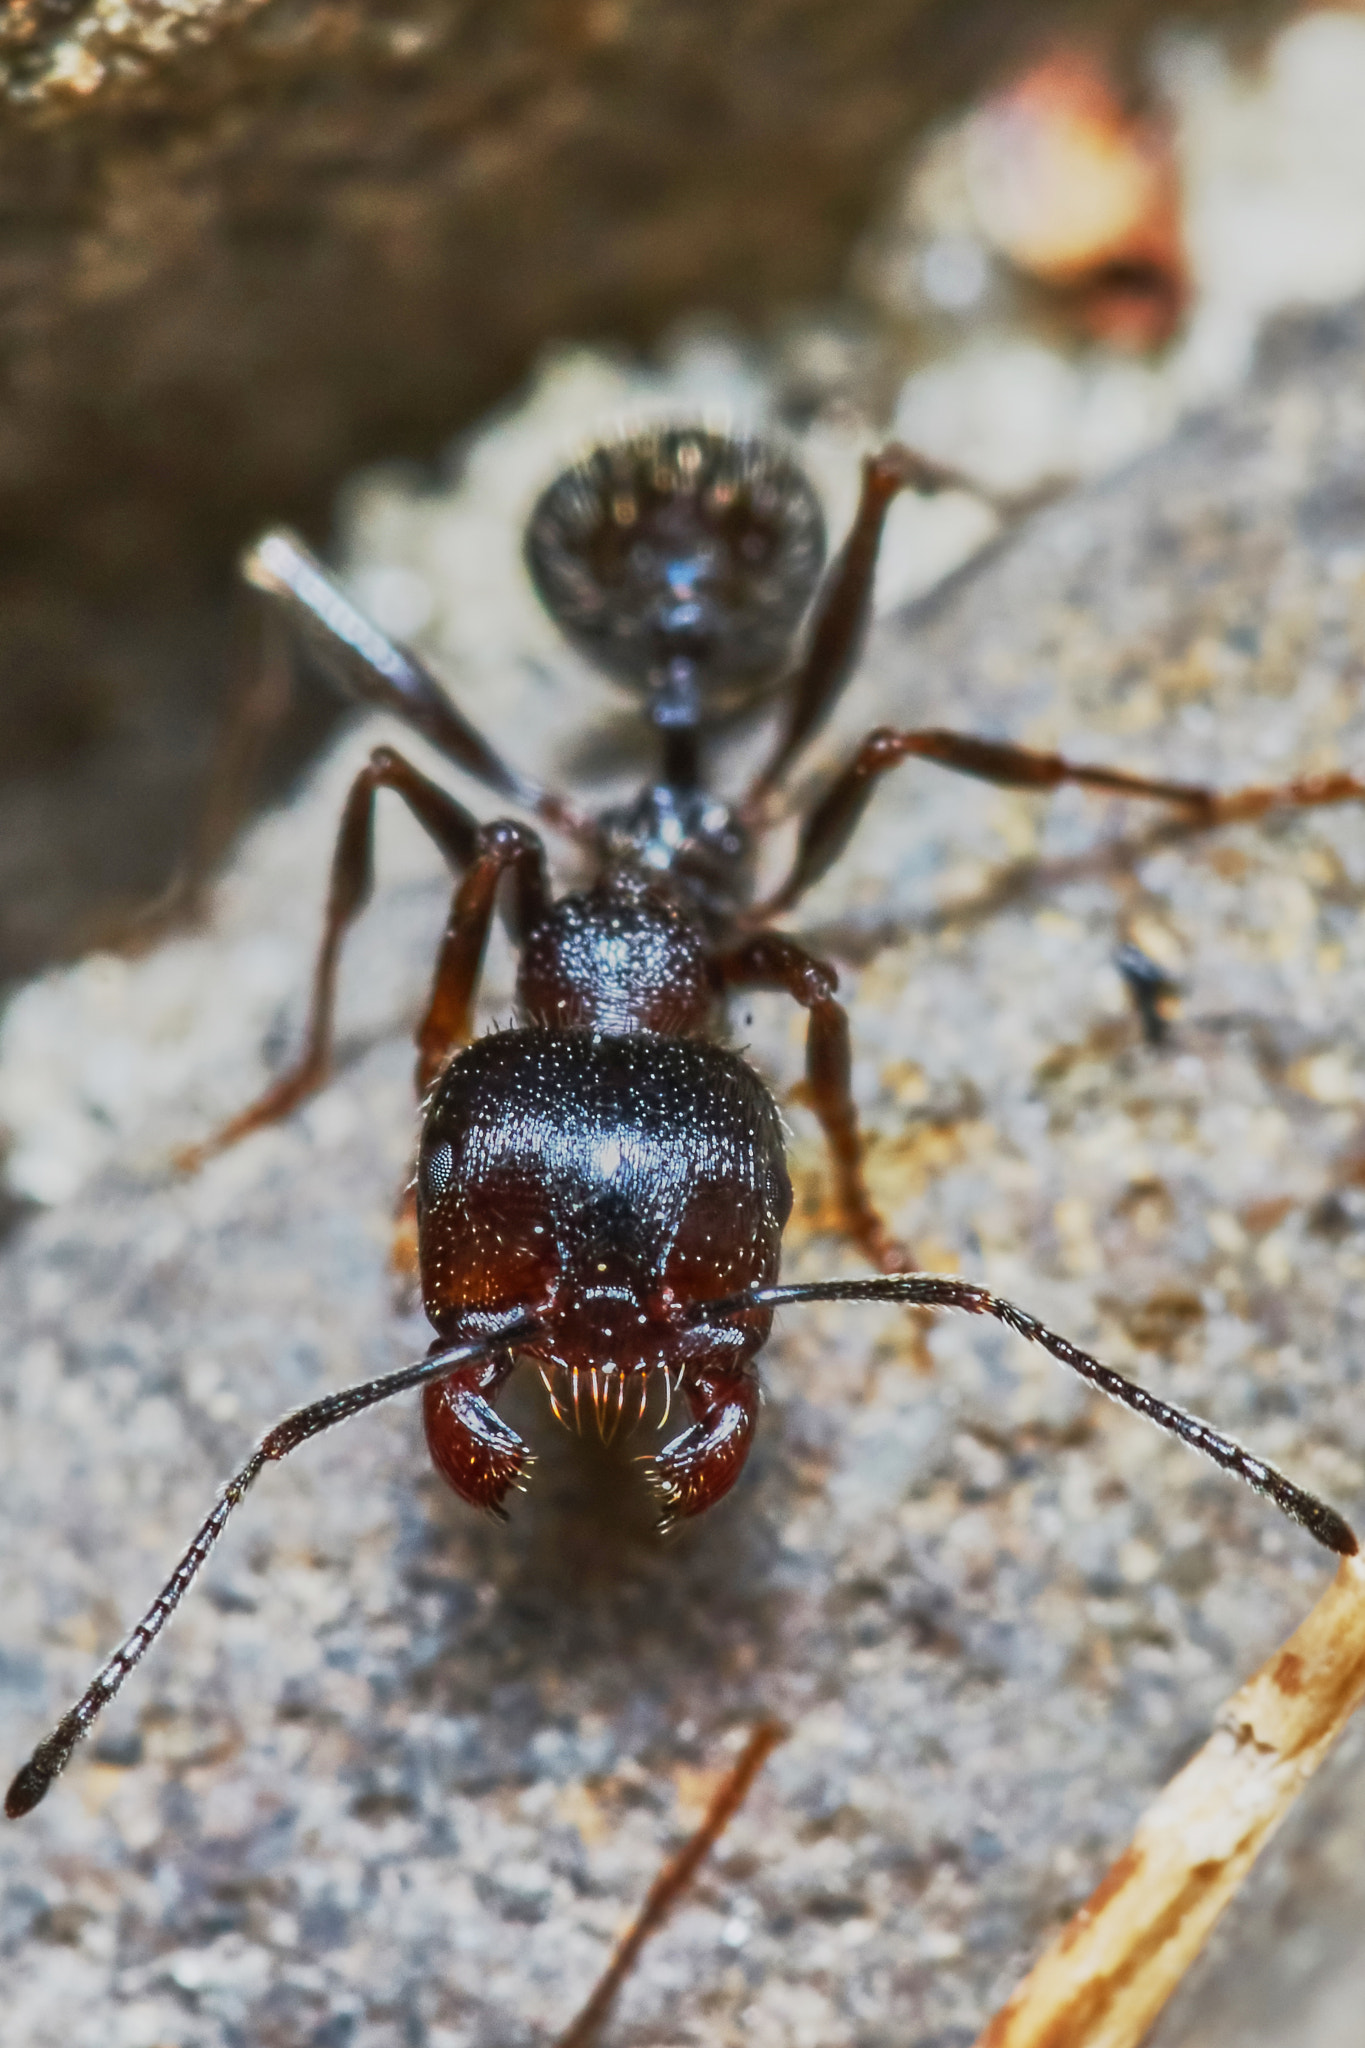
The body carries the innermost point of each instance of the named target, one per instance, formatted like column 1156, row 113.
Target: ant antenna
column 933, row 1290
column 54, row 1752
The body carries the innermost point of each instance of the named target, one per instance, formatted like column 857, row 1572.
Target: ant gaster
column 603, row 1189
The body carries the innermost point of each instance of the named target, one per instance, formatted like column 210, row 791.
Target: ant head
column 604, row 1185
column 680, row 549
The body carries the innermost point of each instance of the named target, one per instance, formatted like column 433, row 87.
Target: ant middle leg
column 454, row 830
column 773, row 961
column 832, row 822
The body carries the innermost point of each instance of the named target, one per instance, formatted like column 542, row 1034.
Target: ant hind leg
column 372, row 669
column 843, row 608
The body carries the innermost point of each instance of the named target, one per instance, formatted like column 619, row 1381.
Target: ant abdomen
column 681, row 561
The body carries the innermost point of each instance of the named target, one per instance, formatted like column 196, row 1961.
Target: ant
column 602, row 1189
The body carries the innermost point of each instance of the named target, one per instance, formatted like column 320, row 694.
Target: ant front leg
column 457, row 834
column 844, row 607
column 770, row 960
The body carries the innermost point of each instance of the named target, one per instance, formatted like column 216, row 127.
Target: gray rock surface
column 398, row 1775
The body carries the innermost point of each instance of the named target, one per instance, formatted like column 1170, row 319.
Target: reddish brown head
column 604, row 1185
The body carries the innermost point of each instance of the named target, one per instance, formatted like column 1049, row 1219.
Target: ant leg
column 673, row 1880
column 448, row 1022
column 934, row 1290
column 454, row 830
column 844, row 606
column 498, row 849
column 369, row 667
column 835, row 817
column 771, row 960
column 54, row 1752
column 831, row 824
column 1300, row 793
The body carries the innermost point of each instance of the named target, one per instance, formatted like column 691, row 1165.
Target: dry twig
column 673, row 1880
column 1117, row 1961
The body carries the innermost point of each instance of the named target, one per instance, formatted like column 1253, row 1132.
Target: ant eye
column 438, row 1169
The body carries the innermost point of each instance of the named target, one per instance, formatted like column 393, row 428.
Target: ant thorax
column 630, row 954
column 690, row 835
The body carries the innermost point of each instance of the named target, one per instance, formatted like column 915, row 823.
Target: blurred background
column 248, row 245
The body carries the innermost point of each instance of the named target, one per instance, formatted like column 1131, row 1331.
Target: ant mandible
column 603, row 1189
